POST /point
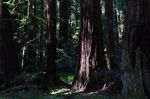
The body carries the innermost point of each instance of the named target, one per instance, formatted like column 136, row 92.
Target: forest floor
column 61, row 93
column 32, row 92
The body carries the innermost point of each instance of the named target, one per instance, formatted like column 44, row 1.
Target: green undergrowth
column 66, row 77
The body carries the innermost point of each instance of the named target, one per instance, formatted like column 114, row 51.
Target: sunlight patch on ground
column 60, row 91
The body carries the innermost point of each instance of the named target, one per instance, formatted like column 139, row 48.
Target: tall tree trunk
column 1, row 8
column 76, row 15
column 134, row 20
column 118, row 37
column 51, row 55
column 116, row 25
column 91, row 51
column 9, row 66
column 138, row 31
column 64, row 20
column 1, row 67
column 41, row 58
column 109, row 35
column 36, row 51
column 35, row 7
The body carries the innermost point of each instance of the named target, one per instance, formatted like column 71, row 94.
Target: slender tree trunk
column 117, row 41
column 36, row 51
column 91, row 51
column 35, row 7
column 76, row 15
column 110, row 35
column 1, row 57
column 64, row 20
column 25, row 51
column 41, row 34
column 117, row 22
column 1, row 8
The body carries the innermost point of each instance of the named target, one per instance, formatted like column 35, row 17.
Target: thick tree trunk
column 9, row 66
column 91, row 51
column 135, row 20
column 51, row 55
column 144, row 45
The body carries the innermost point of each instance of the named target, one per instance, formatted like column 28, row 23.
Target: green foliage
column 67, row 77
column 31, row 34
column 66, row 60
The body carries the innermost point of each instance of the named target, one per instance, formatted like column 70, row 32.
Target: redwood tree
column 138, row 34
column 51, row 54
column 9, row 66
column 91, row 51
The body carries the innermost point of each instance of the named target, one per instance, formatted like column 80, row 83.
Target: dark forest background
column 72, row 49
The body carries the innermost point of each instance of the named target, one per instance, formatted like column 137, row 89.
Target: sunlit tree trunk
column 91, row 51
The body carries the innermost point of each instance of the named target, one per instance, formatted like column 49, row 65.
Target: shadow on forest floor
column 31, row 91
column 58, row 93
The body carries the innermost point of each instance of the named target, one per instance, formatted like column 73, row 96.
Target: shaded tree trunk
column 76, row 14
column 64, row 20
column 9, row 65
column 138, row 31
column 1, row 8
column 51, row 54
column 41, row 56
column 116, row 24
column 91, row 51
column 35, row 7
column 131, row 42
column 1, row 67
column 109, row 36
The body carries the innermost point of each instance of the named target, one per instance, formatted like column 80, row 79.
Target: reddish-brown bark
column 91, row 51
column 51, row 54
